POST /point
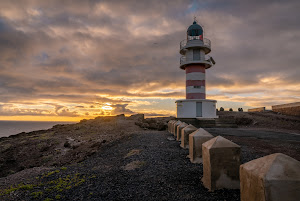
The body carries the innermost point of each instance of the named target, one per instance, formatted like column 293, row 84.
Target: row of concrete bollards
column 275, row 177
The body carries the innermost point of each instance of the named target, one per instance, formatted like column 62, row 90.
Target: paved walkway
column 259, row 134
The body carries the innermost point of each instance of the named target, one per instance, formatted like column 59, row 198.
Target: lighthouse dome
column 195, row 30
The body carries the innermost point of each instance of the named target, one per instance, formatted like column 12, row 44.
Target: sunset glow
column 107, row 106
column 65, row 61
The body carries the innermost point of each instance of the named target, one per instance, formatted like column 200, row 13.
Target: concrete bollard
column 221, row 162
column 275, row 177
column 185, row 132
column 175, row 127
column 196, row 139
column 170, row 125
column 179, row 129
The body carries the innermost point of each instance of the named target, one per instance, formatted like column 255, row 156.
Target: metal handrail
column 206, row 42
column 183, row 60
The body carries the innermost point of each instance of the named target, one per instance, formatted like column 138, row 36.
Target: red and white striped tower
column 195, row 81
column 195, row 61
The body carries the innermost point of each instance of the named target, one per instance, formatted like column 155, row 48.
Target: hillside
column 264, row 120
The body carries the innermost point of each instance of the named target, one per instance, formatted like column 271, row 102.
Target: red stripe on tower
column 195, row 81
column 195, row 96
column 195, row 68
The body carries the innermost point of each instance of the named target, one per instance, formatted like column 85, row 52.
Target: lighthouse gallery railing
column 206, row 42
column 184, row 60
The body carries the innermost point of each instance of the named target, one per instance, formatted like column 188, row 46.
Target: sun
column 107, row 106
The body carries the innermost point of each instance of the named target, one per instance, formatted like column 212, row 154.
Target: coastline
column 9, row 127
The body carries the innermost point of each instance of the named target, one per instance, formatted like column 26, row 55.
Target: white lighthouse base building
column 196, row 108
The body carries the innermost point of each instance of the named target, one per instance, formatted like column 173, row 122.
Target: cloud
column 121, row 109
column 67, row 113
column 87, row 53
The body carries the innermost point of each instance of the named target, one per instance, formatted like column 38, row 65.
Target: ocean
column 8, row 128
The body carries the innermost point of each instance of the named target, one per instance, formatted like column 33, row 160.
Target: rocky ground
column 62, row 144
column 118, row 158
column 267, row 120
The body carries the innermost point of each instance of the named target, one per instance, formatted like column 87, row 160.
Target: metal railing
column 206, row 42
column 184, row 60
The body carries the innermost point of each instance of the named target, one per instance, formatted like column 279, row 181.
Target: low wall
column 258, row 109
column 288, row 109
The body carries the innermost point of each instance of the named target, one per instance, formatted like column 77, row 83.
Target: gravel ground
column 146, row 166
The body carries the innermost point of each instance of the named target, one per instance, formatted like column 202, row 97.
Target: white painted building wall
column 195, row 76
column 187, row 108
column 209, row 109
column 192, row 89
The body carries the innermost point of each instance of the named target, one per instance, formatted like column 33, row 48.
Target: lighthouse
column 195, row 61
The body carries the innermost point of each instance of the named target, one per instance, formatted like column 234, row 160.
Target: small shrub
column 51, row 173
column 21, row 186
column 221, row 109
column 26, row 187
column 230, row 110
column 133, row 152
column 37, row 194
column 243, row 121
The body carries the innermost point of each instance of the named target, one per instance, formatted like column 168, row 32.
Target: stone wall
column 288, row 109
column 258, row 109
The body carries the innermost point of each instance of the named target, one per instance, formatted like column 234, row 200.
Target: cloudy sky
column 68, row 60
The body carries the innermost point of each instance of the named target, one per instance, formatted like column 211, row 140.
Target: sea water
column 8, row 128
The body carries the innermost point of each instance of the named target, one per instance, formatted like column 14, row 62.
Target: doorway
column 198, row 109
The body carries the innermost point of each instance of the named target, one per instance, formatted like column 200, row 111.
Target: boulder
column 179, row 129
column 121, row 117
column 153, row 124
column 196, row 139
column 274, row 177
column 136, row 117
column 185, row 132
column 221, row 162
